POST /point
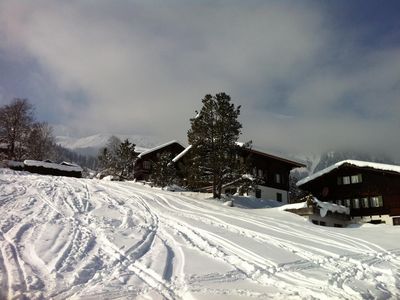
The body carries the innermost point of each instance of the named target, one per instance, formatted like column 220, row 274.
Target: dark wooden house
column 271, row 171
column 273, row 174
column 370, row 190
column 144, row 163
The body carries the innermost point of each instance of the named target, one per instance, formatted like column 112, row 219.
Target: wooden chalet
column 144, row 163
column 271, row 171
column 370, row 190
column 273, row 174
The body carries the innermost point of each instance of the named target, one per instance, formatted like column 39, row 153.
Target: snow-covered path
column 75, row 238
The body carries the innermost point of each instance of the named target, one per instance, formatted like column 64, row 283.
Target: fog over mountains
column 91, row 145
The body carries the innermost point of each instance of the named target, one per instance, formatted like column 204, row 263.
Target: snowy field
column 88, row 239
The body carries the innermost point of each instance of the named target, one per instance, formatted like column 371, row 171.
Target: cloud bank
column 307, row 81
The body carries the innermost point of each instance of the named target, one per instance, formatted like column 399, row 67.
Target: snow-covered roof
column 37, row 163
column 324, row 207
column 240, row 144
column 179, row 156
column 158, row 147
column 356, row 163
column 280, row 157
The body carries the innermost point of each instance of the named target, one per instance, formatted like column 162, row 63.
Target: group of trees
column 21, row 136
column 118, row 158
column 213, row 135
column 213, row 158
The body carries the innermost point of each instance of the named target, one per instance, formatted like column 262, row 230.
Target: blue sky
column 310, row 75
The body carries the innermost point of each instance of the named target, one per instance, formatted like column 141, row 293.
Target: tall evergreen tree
column 213, row 135
column 117, row 158
column 164, row 171
column 125, row 158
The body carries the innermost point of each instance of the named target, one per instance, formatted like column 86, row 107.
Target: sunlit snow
column 90, row 239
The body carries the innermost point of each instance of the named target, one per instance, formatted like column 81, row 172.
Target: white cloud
column 144, row 67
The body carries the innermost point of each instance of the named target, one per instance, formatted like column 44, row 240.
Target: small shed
column 50, row 168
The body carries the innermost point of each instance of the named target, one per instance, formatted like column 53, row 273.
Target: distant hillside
column 329, row 158
column 91, row 145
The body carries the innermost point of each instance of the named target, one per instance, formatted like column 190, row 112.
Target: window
column 347, row 202
column 396, row 221
column 278, row 178
column 364, row 203
column 356, row 178
column 346, row 179
column 255, row 171
column 146, row 165
column 260, row 173
column 349, row 179
column 376, row 201
column 279, row 197
column 356, row 203
column 258, row 193
column 315, row 222
column 322, row 223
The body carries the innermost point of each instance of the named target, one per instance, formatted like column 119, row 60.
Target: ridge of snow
column 324, row 207
column 179, row 156
column 158, row 147
column 37, row 163
column 356, row 163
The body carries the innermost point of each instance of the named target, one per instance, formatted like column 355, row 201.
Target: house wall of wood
column 273, row 173
column 374, row 183
column 143, row 166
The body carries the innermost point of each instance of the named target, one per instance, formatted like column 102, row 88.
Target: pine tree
column 125, row 158
column 118, row 158
column 164, row 171
column 213, row 135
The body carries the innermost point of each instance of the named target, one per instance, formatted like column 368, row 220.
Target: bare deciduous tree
column 41, row 141
column 15, row 124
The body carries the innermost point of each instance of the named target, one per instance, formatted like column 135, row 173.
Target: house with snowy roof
column 144, row 163
column 370, row 190
column 272, row 173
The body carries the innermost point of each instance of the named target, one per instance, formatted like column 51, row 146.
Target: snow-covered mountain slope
column 90, row 145
column 88, row 239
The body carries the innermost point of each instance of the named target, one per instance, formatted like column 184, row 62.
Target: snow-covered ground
column 88, row 239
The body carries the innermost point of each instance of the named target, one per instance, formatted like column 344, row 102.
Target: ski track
column 75, row 238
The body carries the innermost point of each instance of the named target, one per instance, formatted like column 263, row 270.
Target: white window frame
column 376, row 201
column 356, row 203
column 278, row 178
column 356, row 178
column 346, row 180
column 365, row 202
